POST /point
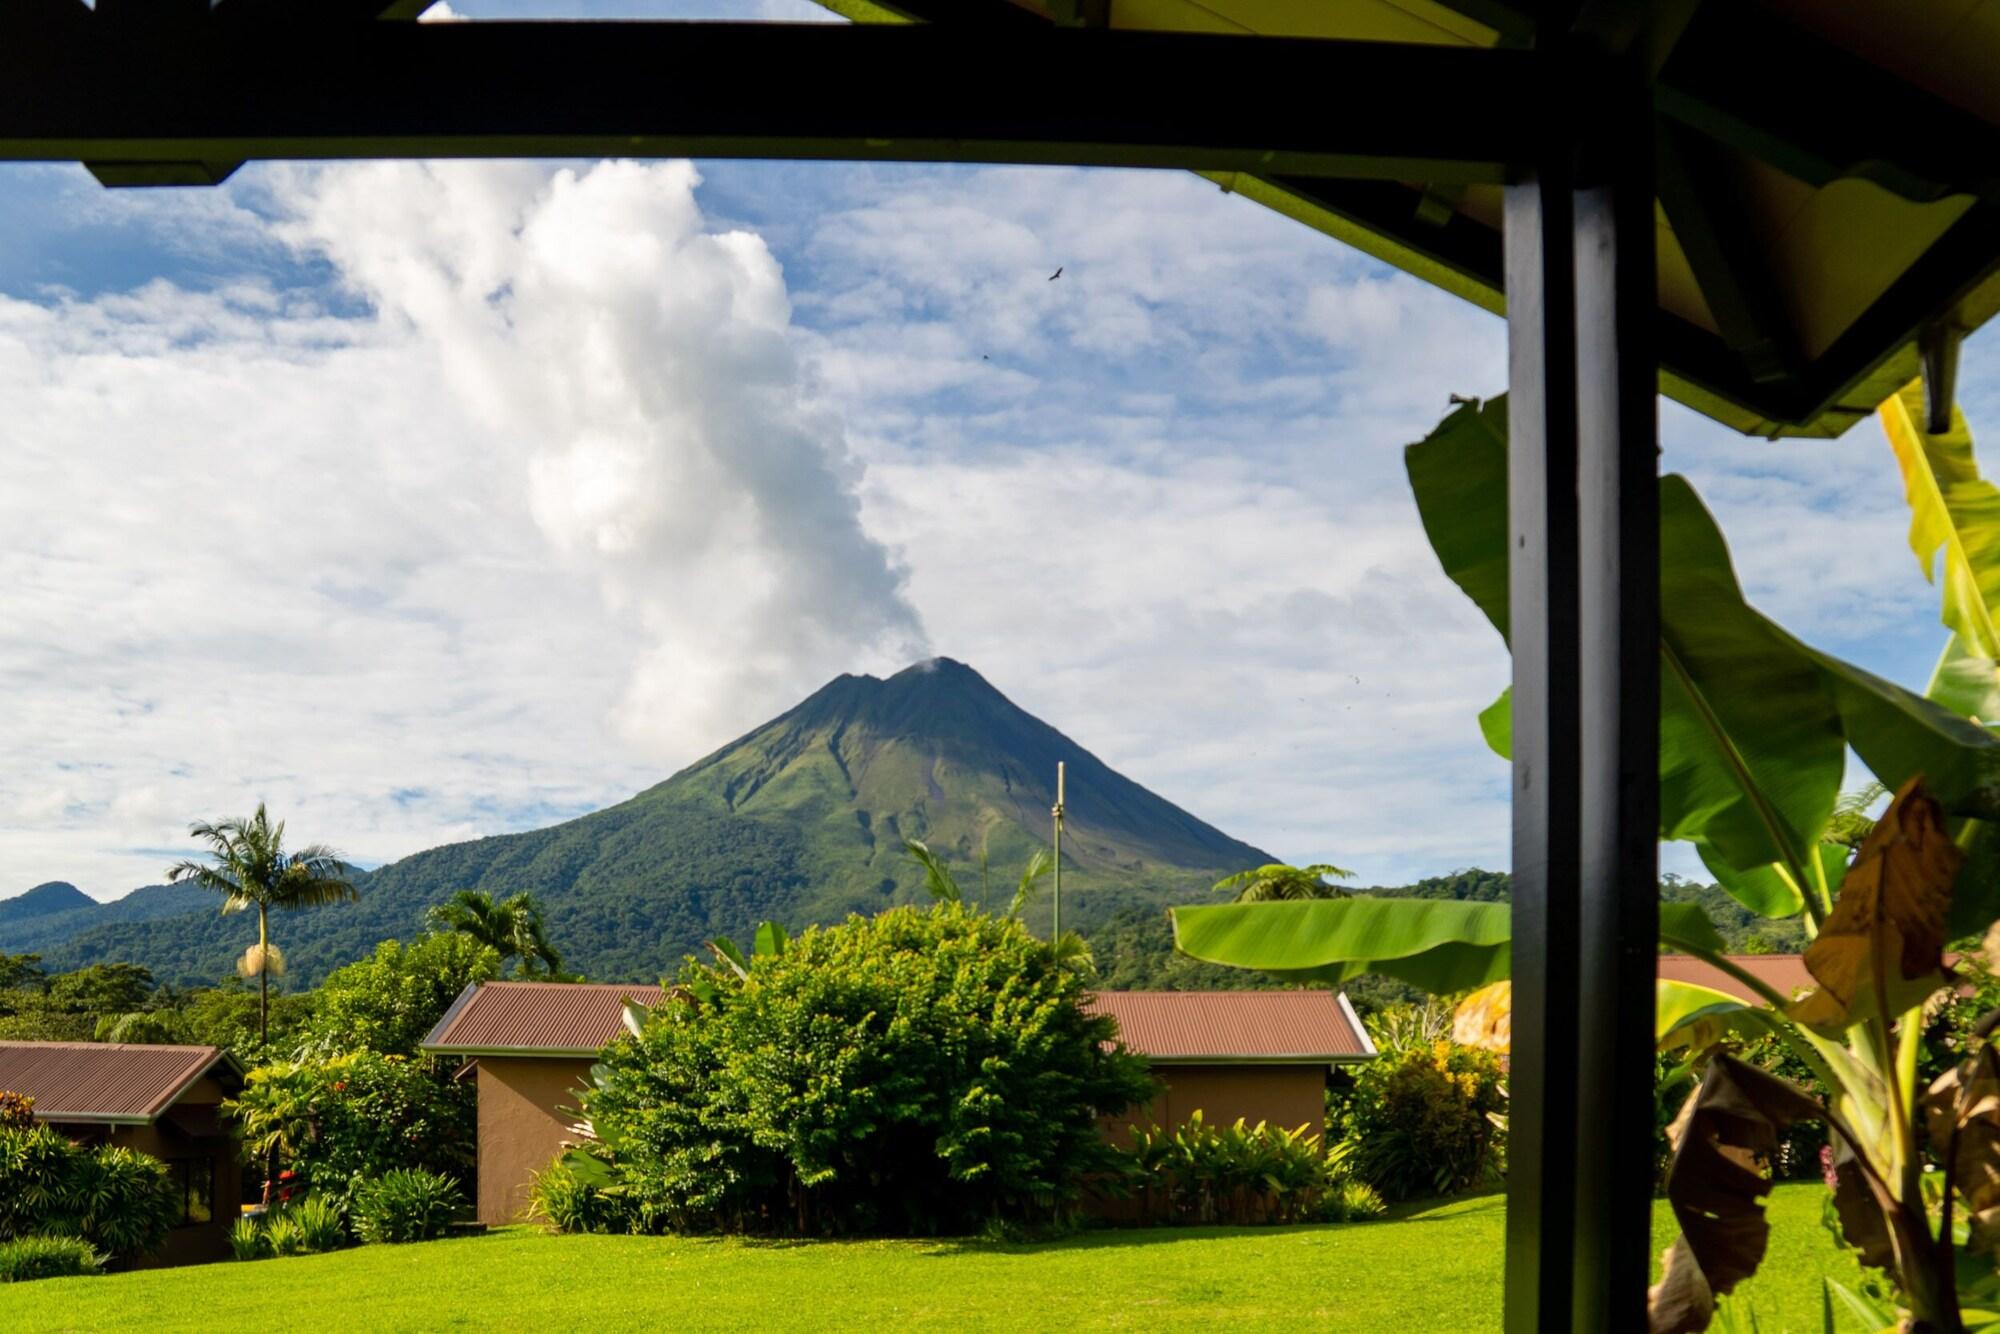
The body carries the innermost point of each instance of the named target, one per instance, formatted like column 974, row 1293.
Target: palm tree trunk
column 263, row 981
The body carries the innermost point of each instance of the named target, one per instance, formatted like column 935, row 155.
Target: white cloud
column 393, row 571
column 584, row 482
column 642, row 365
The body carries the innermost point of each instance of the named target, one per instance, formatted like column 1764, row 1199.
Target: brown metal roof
column 535, row 1018
column 1189, row 1026
column 102, row 1081
column 1784, row 973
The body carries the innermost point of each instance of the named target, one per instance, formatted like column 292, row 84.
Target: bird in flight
column 1057, row 274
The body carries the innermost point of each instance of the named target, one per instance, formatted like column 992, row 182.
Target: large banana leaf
column 1697, row 1015
column 1751, row 748
column 1954, row 514
column 1438, row 945
column 1754, row 724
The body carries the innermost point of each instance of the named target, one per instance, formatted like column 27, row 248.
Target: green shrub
column 918, row 1072
column 247, row 1240
column 118, row 1200
column 1420, row 1120
column 1199, row 1173
column 312, row 1225
column 577, row 1193
column 26, row 1258
column 388, row 1003
column 1352, row 1202
column 283, row 1234
column 321, row 1225
column 406, row 1206
column 342, row 1121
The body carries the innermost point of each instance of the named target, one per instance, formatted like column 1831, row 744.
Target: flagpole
column 1055, row 927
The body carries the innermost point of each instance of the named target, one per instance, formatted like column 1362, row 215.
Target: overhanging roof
column 1236, row 1027
column 105, row 1083
column 566, row 1019
column 1829, row 174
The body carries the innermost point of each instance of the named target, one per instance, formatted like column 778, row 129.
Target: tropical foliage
column 389, row 1003
column 1755, row 726
column 247, row 864
column 27, row 1258
column 307, row 1227
column 1277, row 883
column 118, row 1201
column 1423, row 1120
column 511, row 927
column 1240, row 1173
column 917, row 1072
column 340, row 1122
column 406, row 1205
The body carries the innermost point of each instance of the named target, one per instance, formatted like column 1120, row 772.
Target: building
column 159, row 1100
column 1259, row 1055
column 1784, row 973
column 530, row 1046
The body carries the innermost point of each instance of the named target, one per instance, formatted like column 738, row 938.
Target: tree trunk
column 263, row 994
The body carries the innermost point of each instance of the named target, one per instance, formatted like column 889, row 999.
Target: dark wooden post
column 1584, row 623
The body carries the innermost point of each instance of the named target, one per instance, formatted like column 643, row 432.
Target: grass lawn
column 1434, row 1267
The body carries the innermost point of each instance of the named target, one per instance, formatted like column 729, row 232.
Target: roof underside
column 535, row 1018
column 1829, row 179
column 98, row 1081
column 1225, row 1026
column 1829, row 174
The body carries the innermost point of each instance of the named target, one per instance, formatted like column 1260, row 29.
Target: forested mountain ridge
column 801, row 820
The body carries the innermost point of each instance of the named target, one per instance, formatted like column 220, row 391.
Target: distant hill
column 802, row 820
column 44, row 900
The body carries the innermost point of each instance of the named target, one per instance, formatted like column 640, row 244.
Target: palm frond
column 937, row 879
column 1037, row 869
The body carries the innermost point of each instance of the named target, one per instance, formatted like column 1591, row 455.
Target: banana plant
column 1754, row 729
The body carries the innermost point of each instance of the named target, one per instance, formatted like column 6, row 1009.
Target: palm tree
column 1279, row 882
column 513, row 927
column 248, row 865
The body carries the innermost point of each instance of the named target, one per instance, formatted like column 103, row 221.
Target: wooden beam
column 1705, row 208
column 223, row 92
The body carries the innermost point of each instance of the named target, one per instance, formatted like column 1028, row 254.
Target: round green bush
column 1420, row 1120
column 406, row 1205
column 26, row 1258
column 918, row 1072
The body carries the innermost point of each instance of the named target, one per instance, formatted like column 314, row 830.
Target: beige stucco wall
column 1287, row 1096
column 526, row 1106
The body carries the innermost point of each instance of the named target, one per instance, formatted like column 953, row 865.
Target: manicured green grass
column 1434, row 1267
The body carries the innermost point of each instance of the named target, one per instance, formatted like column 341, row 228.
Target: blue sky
column 434, row 502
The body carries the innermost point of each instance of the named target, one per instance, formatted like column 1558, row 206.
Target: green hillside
column 802, row 820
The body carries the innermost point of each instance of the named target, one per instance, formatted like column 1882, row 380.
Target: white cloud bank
column 394, row 571
column 583, row 483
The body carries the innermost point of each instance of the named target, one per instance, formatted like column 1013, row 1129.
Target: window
column 195, row 1178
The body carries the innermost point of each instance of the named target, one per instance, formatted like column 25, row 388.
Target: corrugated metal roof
column 102, row 1081
column 541, row 1018
column 1784, row 973
column 1236, row 1025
